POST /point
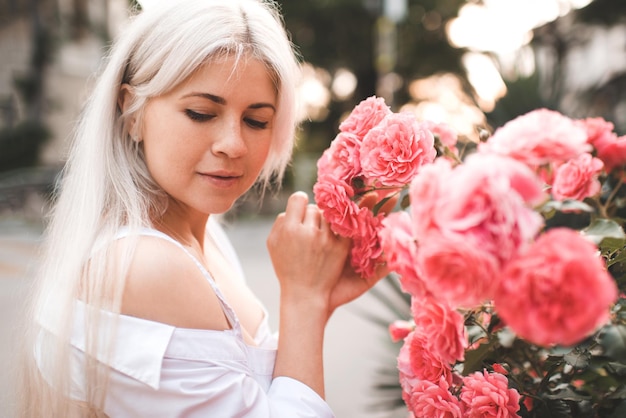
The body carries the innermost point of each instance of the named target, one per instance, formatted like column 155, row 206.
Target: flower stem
column 604, row 209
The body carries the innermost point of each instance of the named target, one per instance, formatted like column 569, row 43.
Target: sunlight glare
column 485, row 78
column 344, row 83
column 313, row 93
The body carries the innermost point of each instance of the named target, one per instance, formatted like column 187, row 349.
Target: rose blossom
column 367, row 114
column 598, row 130
column 458, row 271
column 577, row 178
column 416, row 363
column 469, row 221
column 434, row 400
column 393, row 151
column 442, row 327
column 399, row 329
column 610, row 148
column 366, row 252
column 425, row 192
column 446, row 134
column 488, row 395
column 613, row 153
column 482, row 204
column 557, row 291
column 400, row 250
column 333, row 196
column 539, row 137
column 519, row 176
column 341, row 159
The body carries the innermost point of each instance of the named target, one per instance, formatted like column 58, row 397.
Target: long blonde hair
column 105, row 184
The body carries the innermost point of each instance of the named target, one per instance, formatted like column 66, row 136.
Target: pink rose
column 366, row 251
column 458, row 271
column 488, row 395
column 434, row 400
column 442, row 327
column 367, row 114
column 610, row 148
column 393, row 151
column 416, row 363
column 398, row 330
column 425, row 192
column 469, row 221
column 598, row 130
column 539, row 137
column 341, row 159
column 400, row 250
column 577, row 178
column 334, row 198
column 445, row 133
column 557, row 291
column 613, row 153
column 483, row 204
column 519, row 176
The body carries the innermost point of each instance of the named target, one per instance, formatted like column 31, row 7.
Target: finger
column 381, row 271
column 313, row 216
column 296, row 207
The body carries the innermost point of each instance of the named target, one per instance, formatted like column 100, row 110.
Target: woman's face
column 206, row 141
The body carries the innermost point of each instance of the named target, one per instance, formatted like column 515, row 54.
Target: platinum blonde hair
column 106, row 185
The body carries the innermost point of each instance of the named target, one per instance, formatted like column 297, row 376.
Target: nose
column 230, row 141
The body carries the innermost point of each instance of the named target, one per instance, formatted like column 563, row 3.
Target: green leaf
column 554, row 408
column 604, row 228
column 612, row 244
column 578, row 359
column 474, row 358
column 567, row 394
column 619, row 412
column 618, row 369
column 613, row 341
column 380, row 204
column 620, row 394
column 565, row 206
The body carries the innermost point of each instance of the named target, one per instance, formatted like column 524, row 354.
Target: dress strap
column 228, row 310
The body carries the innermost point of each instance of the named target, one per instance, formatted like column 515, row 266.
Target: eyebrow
column 221, row 101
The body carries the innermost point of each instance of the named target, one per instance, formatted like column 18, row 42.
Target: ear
column 124, row 99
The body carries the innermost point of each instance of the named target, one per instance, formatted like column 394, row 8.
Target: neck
column 189, row 231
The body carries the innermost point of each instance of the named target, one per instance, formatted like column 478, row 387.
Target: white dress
column 158, row 370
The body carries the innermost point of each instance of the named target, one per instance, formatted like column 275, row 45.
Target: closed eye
column 256, row 124
column 198, row 117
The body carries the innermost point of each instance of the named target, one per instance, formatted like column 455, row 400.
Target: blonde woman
column 140, row 309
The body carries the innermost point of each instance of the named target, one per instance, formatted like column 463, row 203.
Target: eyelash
column 201, row 117
column 198, row 117
column 255, row 123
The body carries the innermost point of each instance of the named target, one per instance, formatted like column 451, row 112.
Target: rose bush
column 512, row 258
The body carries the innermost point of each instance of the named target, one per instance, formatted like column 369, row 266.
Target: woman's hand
column 308, row 258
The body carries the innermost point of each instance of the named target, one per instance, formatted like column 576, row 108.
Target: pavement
column 355, row 347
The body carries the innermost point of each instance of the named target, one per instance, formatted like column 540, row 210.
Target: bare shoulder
column 164, row 284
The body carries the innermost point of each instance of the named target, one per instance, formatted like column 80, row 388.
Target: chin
column 219, row 207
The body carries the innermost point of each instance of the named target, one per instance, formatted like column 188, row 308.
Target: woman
column 140, row 308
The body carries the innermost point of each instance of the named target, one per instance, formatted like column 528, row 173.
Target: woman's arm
column 311, row 263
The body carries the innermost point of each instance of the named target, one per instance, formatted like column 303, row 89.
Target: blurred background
column 472, row 64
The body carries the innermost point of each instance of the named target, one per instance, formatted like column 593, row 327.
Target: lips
column 221, row 178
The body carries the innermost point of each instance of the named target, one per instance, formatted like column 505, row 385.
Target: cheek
column 259, row 151
column 165, row 155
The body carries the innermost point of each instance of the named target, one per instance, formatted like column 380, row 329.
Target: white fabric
column 159, row 370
